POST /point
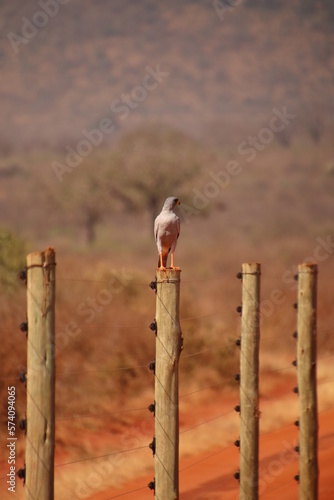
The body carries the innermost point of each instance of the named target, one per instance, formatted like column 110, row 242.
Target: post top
column 251, row 268
column 308, row 267
column 168, row 275
column 39, row 259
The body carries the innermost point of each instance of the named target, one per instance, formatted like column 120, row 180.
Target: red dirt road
column 209, row 476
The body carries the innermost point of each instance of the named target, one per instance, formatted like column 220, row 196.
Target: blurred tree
column 153, row 163
column 145, row 167
column 90, row 205
column 84, row 197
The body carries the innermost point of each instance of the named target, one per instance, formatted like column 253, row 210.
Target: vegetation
column 151, row 164
column 12, row 260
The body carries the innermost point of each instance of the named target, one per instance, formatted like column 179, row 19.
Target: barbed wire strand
column 73, row 417
column 232, row 445
column 13, row 377
column 207, row 421
column 276, row 370
column 206, row 458
column 207, row 387
column 140, row 327
column 320, row 330
column 136, row 283
column 195, row 280
column 127, row 493
column 209, row 349
column 102, row 456
column 142, row 447
column 108, row 370
column 100, row 415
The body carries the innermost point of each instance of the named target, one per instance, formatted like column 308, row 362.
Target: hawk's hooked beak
column 178, row 202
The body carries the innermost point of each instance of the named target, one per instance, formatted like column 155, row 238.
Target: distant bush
column 12, row 259
column 264, row 4
column 328, row 8
column 314, row 7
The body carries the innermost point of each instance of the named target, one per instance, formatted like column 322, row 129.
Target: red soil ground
column 209, row 476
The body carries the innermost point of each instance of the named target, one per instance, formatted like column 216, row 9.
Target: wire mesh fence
column 84, row 378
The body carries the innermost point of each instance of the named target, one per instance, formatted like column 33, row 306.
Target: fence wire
column 184, row 356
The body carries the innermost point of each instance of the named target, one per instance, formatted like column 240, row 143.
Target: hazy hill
column 227, row 66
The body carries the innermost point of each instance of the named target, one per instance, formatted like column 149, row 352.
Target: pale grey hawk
column 166, row 231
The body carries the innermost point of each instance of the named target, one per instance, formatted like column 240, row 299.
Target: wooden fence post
column 168, row 350
column 40, row 376
column 307, row 383
column 249, row 381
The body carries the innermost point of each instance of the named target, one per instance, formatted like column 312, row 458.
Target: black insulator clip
column 22, row 275
column 295, row 335
column 21, row 473
column 153, row 326
column 23, row 424
column 236, row 475
column 237, row 409
column 151, row 485
column 152, row 366
column 239, row 275
column 237, row 443
column 238, row 342
column 23, row 377
column 153, row 285
column 295, row 390
column 239, row 309
column 24, row 327
column 152, row 446
column 237, row 377
column 151, row 408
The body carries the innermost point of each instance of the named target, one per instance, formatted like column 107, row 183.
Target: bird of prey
column 166, row 231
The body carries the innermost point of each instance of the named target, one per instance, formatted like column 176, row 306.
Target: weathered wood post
column 249, row 381
column 168, row 350
column 307, row 381
column 40, row 376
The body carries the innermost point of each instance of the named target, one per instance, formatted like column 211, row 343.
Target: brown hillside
column 227, row 69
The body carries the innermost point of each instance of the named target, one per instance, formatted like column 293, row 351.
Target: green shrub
column 12, row 259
